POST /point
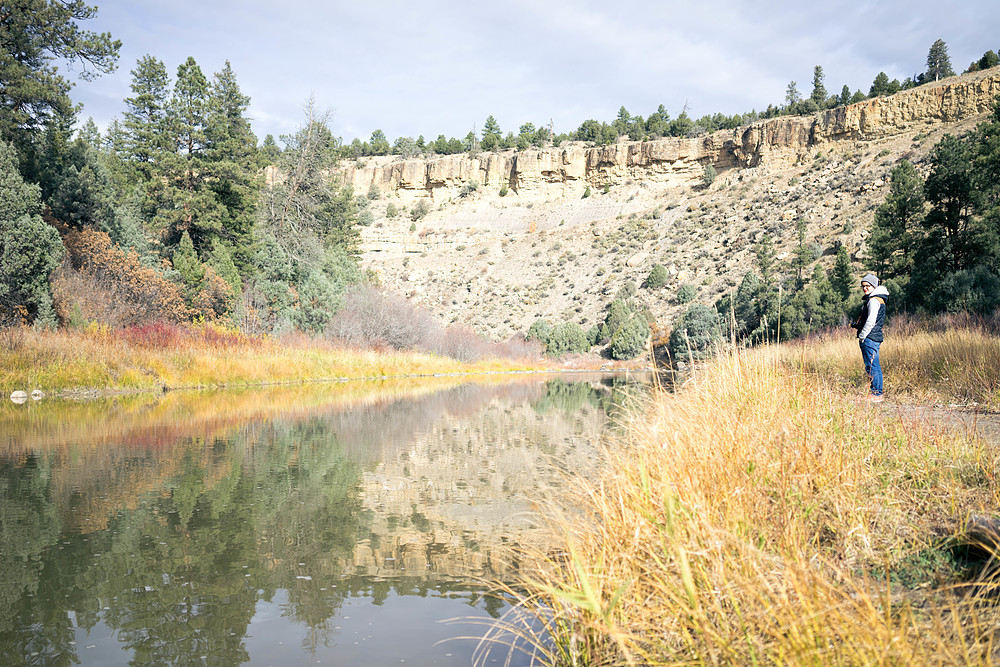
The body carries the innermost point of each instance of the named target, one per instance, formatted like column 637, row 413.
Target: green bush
column 391, row 211
column 567, row 337
column 540, row 331
column 629, row 341
column 420, row 210
column 586, row 192
column 709, row 177
column 695, row 333
column 686, row 293
column 657, row 277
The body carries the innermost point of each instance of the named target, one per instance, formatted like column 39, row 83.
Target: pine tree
column 819, row 90
column 34, row 33
column 890, row 246
column 938, row 63
column 30, row 249
column 842, row 279
column 142, row 136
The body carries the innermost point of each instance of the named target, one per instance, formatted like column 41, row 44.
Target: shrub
column 567, row 337
column 686, row 293
column 371, row 317
column 709, row 176
column 503, row 190
column 586, row 192
column 111, row 286
column 540, row 331
column 629, row 341
column 695, row 333
column 657, row 277
column 391, row 211
column 468, row 189
column 420, row 210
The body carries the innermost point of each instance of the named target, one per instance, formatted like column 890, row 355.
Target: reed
column 157, row 356
column 762, row 516
column 920, row 361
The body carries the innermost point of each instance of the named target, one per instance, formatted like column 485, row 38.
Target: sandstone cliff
column 546, row 250
column 677, row 161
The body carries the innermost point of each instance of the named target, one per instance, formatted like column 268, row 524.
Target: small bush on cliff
column 657, row 277
column 709, row 176
column 420, row 210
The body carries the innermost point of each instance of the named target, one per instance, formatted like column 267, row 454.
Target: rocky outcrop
column 675, row 160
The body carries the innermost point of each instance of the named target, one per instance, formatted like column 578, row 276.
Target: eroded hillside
column 555, row 233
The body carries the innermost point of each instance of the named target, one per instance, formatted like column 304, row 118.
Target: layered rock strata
column 677, row 161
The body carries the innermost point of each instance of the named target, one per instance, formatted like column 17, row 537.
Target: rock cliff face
column 675, row 161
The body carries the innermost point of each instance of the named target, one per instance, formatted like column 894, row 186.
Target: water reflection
column 264, row 527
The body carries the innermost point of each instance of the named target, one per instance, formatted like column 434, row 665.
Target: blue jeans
column 869, row 352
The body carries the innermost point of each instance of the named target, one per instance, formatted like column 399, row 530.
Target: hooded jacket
column 869, row 324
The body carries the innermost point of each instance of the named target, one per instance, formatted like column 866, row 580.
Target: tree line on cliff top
column 659, row 123
column 171, row 214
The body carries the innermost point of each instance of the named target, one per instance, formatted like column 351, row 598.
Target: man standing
column 869, row 327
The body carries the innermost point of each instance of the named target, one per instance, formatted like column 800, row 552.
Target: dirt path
column 963, row 417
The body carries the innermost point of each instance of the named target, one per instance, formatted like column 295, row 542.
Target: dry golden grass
column 958, row 364
column 107, row 359
column 763, row 515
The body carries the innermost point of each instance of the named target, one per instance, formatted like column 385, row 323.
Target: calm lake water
column 341, row 524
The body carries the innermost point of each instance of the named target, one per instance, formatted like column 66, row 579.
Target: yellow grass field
column 765, row 515
column 201, row 356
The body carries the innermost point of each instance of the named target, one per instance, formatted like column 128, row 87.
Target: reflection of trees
column 180, row 576
column 172, row 546
column 29, row 526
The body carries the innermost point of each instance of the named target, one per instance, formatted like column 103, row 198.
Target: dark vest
column 872, row 301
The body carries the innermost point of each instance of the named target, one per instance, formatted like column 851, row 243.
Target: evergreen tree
column 792, row 95
column 141, row 138
column 181, row 196
column 819, row 90
column 492, row 136
column 188, row 265
column 938, row 62
column 890, row 246
column 842, row 279
column 695, row 334
column 231, row 160
column 880, row 86
column 33, row 34
column 379, row 144
column 953, row 199
column 989, row 59
column 30, row 249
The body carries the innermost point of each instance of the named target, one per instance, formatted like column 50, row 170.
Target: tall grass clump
column 759, row 516
column 948, row 358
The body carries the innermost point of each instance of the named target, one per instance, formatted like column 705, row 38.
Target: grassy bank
column 764, row 515
column 159, row 356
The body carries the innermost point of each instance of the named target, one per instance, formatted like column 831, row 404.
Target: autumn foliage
column 102, row 283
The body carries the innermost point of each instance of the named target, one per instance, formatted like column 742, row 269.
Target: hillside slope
column 556, row 232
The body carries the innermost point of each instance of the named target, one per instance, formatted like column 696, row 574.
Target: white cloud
column 442, row 66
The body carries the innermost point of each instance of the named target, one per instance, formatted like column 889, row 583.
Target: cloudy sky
column 442, row 66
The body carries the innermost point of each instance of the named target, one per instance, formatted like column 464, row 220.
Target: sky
column 443, row 66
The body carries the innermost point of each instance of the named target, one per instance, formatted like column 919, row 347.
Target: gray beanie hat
column 870, row 279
